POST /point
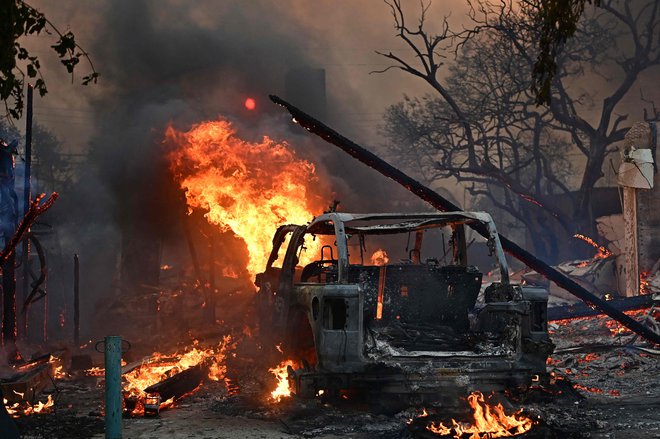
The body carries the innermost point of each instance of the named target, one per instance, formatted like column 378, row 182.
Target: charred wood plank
column 178, row 385
column 27, row 385
column 436, row 200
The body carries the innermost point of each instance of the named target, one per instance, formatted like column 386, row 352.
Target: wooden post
column 630, row 230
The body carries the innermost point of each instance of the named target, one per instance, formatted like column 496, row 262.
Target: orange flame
column 248, row 188
column 25, row 409
column 489, row 422
column 59, row 373
column 379, row 258
column 602, row 251
column 95, row 372
column 160, row 367
column 282, row 375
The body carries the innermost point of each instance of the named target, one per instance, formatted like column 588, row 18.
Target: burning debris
column 19, row 409
column 167, row 378
column 282, row 373
column 488, row 421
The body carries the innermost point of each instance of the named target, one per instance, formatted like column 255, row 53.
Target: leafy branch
column 20, row 19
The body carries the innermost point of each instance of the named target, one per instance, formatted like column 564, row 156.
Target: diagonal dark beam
column 436, row 200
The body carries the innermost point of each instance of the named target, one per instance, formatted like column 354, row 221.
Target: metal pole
column 113, row 387
column 26, row 202
column 76, row 301
column 9, row 326
column 441, row 203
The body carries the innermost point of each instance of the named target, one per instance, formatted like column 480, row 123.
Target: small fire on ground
column 19, row 409
column 159, row 367
column 488, row 421
column 281, row 373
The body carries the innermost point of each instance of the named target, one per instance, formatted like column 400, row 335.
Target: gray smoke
column 179, row 63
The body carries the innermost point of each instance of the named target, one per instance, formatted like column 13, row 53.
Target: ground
column 610, row 388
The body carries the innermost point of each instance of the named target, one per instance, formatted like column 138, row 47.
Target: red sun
column 250, row 104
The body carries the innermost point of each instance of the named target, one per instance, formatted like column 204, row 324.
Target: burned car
column 421, row 327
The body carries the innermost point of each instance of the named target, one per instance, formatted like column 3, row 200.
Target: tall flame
column 488, row 422
column 249, row 188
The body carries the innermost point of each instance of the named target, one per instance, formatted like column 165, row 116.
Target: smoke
column 176, row 62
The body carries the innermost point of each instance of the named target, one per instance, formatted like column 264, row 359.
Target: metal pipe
column 436, row 200
column 9, row 326
column 76, row 300
column 113, row 387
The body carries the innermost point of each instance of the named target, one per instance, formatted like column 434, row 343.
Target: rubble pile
column 604, row 360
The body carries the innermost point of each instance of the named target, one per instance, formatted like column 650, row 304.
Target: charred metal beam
column 436, row 200
column 584, row 310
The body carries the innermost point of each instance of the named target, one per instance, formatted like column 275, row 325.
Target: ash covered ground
column 606, row 385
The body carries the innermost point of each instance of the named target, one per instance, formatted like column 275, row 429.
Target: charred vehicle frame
column 413, row 329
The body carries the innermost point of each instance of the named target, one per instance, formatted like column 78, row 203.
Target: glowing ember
column 589, row 358
column 602, row 251
column 379, row 258
column 593, row 322
column 95, row 372
column 19, row 409
column 587, row 389
column 167, row 404
column 489, row 422
column 644, row 283
column 282, row 375
column 248, row 188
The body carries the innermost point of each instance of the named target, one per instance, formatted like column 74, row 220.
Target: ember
column 587, row 389
column 489, row 422
column 644, row 287
column 248, row 188
column 95, row 371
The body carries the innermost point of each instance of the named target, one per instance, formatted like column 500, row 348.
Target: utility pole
column 26, row 204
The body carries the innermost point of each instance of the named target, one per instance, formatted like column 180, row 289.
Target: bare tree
column 483, row 126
